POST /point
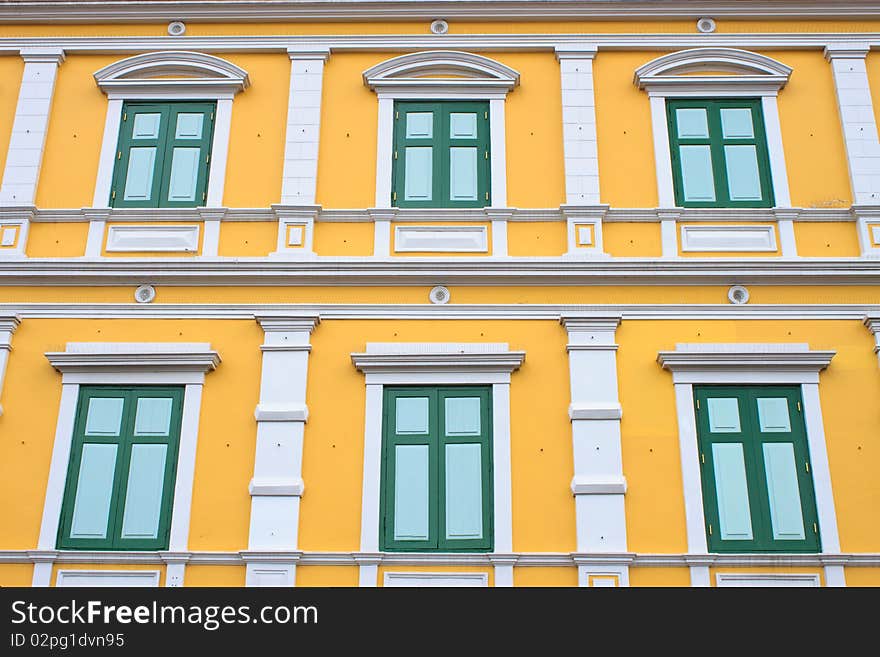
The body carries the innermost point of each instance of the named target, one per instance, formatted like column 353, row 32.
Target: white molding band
column 752, row 580
column 579, row 124
column 27, row 141
column 859, row 125
column 167, row 76
column 598, row 484
column 441, row 239
column 437, row 363
column 440, row 75
column 156, row 238
column 744, row 74
column 108, row 578
column 872, row 322
column 299, row 179
column 750, row 364
column 277, row 484
column 127, row 363
column 8, row 324
column 728, row 237
column 442, row 579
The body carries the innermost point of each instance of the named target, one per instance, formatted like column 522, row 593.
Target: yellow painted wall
column 11, row 69
column 659, row 576
column 545, row 576
column 436, row 569
column 107, row 566
column 343, row 239
column 214, row 575
column 536, row 238
column 326, row 576
column 57, row 240
column 862, row 576
column 247, row 238
column 16, row 574
column 848, row 390
column 632, row 240
column 831, row 239
column 543, row 509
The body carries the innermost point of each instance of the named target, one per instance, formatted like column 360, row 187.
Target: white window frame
column 750, row 364
column 146, row 77
column 745, row 75
column 419, row 76
column 126, row 364
column 428, row 364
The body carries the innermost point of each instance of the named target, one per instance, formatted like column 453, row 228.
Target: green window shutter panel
column 758, row 491
column 719, row 153
column 163, row 155
column 120, row 481
column 441, row 155
column 436, row 492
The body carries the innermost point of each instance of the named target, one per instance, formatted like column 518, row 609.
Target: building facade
column 417, row 293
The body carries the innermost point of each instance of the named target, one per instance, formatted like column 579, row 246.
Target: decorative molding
column 442, row 239
column 8, row 325
column 157, row 74
column 707, row 361
column 728, row 238
column 423, row 579
column 115, row 578
column 585, row 218
column 435, row 70
column 412, row 357
column 158, row 357
column 159, row 238
column 872, row 322
column 766, row 579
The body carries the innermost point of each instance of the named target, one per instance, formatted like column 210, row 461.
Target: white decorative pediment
column 439, row 69
column 161, row 73
column 712, row 70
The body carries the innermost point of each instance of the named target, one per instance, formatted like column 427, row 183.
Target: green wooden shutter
column 441, row 155
column 757, row 488
column 436, row 469
column 719, row 153
column 163, row 155
column 120, row 483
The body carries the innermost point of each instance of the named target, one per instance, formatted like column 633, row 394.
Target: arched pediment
column 172, row 70
column 712, row 68
column 441, row 68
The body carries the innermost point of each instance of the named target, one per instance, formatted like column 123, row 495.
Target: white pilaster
column 28, row 138
column 668, row 232
column 498, row 153
column 8, row 324
column 500, row 220
column 382, row 218
column 579, row 124
column 598, row 483
column 300, row 176
column 785, row 223
column 384, row 150
column 281, row 415
column 857, row 119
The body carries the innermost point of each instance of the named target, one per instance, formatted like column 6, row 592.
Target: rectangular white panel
column 418, row 173
column 696, row 173
column 462, row 416
column 104, row 416
column 411, row 415
column 454, row 239
column 8, row 236
column 184, row 174
column 786, row 514
column 158, row 237
column 94, row 490
column 463, row 125
column 767, row 579
column 464, row 492
column 463, row 174
column 189, row 126
column 723, row 415
column 734, row 512
column 143, row 498
column 736, row 123
column 153, row 416
column 139, row 176
column 411, row 493
column 773, row 415
column 692, row 123
column 107, row 578
column 419, row 125
column 728, row 238
column 146, row 126
column 436, row 579
column 743, row 178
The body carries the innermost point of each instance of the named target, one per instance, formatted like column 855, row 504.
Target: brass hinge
column 799, row 407
column 207, row 158
column 395, row 155
column 394, row 196
column 485, row 115
column 397, row 115
column 125, row 116
column 702, row 458
column 807, row 465
column 212, row 116
column 113, row 194
column 710, row 530
column 204, row 195
column 487, row 196
column 487, row 155
column 815, row 528
column 698, row 404
column 119, row 155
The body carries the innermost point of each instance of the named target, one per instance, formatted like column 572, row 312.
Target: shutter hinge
column 119, row 155
column 799, row 407
column 702, row 458
column 395, row 155
column 815, row 528
column 487, row 155
column 204, row 195
column 807, row 465
column 394, row 196
column 212, row 116
column 486, row 115
column 698, row 404
column 397, row 115
column 207, row 158
column 113, row 194
column 487, row 196
column 710, row 530
column 125, row 116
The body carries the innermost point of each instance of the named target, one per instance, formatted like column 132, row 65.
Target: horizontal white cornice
column 706, row 357
column 437, row 357
column 449, row 271
column 85, row 357
column 400, row 10
column 414, row 42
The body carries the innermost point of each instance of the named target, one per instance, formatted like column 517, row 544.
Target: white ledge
column 594, row 411
column 290, row 487
column 587, row 485
column 82, row 357
column 437, row 357
column 790, row 356
column 281, row 412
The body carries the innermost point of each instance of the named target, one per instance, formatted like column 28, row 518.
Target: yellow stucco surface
column 632, row 240
column 205, row 575
column 247, row 238
column 57, row 240
column 826, row 239
column 16, row 574
column 862, row 576
column 326, row 576
column 343, row 239
column 538, row 238
column 656, row 576
column 545, row 576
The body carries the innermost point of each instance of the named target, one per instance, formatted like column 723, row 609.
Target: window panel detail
column 143, row 497
column 782, row 487
column 733, row 493
column 104, row 416
column 723, row 415
column 411, row 495
column 94, row 491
